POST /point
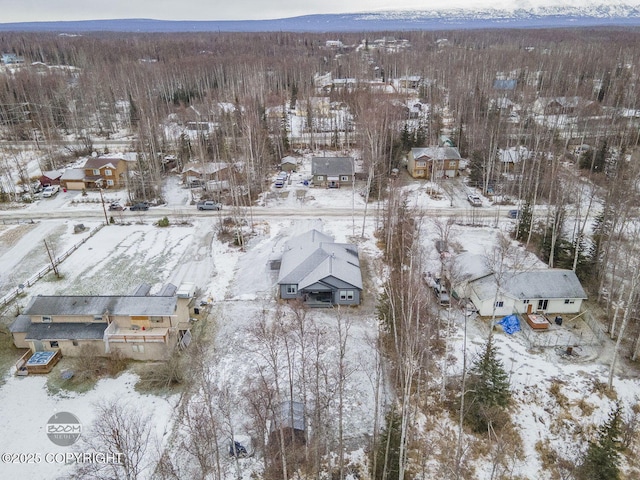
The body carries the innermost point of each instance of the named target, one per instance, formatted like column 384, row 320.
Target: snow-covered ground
column 241, row 287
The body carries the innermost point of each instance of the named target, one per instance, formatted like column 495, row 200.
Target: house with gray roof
column 433, row 162
column 139, row 326
column 331, row 172
column 555, row 290
column 320, row 272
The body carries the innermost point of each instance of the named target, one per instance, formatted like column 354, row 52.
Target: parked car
column 50, row 191
column 442, row 295
column 116, row 206
column 474, row 200
column 142, row 206
column 209, row 205
column 280, row 180
column 513, row 213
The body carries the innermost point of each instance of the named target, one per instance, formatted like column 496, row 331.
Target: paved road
column 95, row 211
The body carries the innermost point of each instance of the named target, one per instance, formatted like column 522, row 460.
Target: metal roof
column 66, row 331
column 289, row 414
column 98, row 305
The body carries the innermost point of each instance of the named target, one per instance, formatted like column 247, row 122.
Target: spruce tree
column 487, row 389
column 602, row 460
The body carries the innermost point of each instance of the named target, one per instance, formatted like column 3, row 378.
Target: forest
column 565, row 101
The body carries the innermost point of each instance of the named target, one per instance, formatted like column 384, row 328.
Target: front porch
column 318, row 299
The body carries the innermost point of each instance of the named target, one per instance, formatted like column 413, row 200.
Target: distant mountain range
column 588, row 15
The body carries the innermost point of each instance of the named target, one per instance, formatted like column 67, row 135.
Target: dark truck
column 209, row 205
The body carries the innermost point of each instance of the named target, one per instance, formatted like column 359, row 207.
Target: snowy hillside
column 522, row 14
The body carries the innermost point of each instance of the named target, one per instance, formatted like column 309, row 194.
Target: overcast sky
column 47, row 10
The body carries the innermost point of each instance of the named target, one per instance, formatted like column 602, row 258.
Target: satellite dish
column 94, row 154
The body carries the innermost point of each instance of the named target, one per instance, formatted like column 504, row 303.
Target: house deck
column 37, row 362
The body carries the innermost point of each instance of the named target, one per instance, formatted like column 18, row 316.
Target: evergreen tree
column 387, row 452
column 602, row 460
column 523, row 225
column 476, row 168
column 487, row 391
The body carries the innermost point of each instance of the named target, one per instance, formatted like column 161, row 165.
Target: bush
column 163, row 222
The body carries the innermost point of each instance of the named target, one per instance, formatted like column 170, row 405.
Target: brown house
column 138, row 326
column 197, row 174
column 433, row 162
column 105, row 172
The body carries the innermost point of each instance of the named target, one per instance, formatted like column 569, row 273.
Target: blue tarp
column 510, row 324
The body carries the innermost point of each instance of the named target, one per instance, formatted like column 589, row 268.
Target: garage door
column 75, row 185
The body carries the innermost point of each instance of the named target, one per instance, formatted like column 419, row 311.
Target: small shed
column 289, row 418
column 288, row 164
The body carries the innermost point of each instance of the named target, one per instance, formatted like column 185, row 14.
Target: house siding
column 510, row 306
column 68, row 349
column 288, row 296
column 337, row 300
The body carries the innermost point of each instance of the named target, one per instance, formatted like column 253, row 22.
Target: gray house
column 331, row 172
column 319, row 271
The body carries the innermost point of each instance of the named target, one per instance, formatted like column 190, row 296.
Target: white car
column 50, row 191
column 474, row 200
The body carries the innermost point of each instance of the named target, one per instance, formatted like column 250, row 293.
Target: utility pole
column 104, row 209
column 53, row 263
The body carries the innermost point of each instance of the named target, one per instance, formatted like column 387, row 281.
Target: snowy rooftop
column 552, row 283
column 98, row 305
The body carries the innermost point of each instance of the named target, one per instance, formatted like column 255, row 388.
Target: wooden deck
column 26, row 365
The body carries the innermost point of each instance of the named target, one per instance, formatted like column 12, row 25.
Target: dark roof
column 332, row 166
column 66, row 331
column 98, row 305
column 314, row 256
column 99, row 162
column 142, row 290
column 168, row 290
column 20, row 324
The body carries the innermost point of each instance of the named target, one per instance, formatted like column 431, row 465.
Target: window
column 344, row 178
column 568, row 301
column 499, row 304
column 108, row 172
column 422, row 164
column 156, row 319
column 53, row 344
column 96, row 171
column 46, row 319
column 542, row 304
column 137, row 348
column 110, row 183
column 291, row 289
column 525, row 302
column 346, row 294
column 320, row 177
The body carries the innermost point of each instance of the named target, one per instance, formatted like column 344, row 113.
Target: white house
column 546, row 291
